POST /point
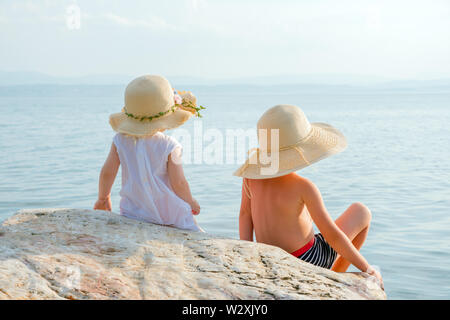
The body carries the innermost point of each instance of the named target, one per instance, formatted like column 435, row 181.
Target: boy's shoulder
column 302, row 182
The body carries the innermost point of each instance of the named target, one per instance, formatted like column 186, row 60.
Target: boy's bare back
column 279, row 216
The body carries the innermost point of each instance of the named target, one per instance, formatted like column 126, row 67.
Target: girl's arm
column 333, row 235
column 178, row 181
column 106, row 180
column 245, row 217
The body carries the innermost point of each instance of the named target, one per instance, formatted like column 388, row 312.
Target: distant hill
column 346, row 81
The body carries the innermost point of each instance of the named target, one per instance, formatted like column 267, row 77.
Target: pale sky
column 227, row 38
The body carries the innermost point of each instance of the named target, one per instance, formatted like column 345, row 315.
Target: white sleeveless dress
column 146, row 193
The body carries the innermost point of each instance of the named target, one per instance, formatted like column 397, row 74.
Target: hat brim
column 120, row 122
column 322, row 142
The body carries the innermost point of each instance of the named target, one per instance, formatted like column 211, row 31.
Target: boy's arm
column 245, row 217
column 106, row 180
column 333, row 235
column 178, row 181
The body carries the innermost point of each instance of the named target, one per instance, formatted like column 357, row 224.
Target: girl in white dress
column 154, row 188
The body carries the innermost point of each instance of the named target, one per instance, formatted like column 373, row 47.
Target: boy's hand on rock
column 103, row 204
column 195, row 207
column 371, row 271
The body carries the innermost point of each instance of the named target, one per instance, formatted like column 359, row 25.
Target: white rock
column 85, row 254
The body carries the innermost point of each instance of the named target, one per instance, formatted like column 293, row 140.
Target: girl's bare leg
column 354, row 222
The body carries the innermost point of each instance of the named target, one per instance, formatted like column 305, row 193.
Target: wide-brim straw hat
column 151, row 105
column 300, row 143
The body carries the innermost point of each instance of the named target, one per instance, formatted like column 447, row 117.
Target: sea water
column 54, row 140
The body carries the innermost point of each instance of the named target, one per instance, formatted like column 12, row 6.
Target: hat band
column 310, row 133
column 294, row 146
column 150, row 118
column 184, row 104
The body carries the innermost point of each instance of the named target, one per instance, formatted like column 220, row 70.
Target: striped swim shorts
column 320, row 254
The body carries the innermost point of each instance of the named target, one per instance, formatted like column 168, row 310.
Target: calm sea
column 54, row 140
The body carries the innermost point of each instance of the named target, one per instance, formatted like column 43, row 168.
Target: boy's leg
column 354, row 222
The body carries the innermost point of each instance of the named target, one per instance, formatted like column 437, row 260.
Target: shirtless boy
column 279, row 206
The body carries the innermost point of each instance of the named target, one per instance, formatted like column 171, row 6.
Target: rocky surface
column 85, row 254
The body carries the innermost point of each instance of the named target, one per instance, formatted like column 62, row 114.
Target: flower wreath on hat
column 182, row 99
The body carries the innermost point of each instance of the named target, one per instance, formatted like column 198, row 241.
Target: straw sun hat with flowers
column 300, row 143
column 152, row 105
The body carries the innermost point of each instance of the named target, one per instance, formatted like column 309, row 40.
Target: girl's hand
column 103, row 204
column 195, row 207
column 371, row 271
